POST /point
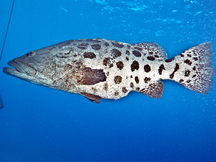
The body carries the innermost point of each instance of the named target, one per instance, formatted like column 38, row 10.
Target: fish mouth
column 19, row 70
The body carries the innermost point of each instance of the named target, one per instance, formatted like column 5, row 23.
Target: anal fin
column 91, row 97
column 153, row 89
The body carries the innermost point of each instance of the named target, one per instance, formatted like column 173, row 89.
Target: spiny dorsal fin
column 153, row 89
column 153, row 49
column 88, row 76
column 91, row 97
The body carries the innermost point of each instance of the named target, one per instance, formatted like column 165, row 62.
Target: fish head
column 24, row 67
column 49, row 66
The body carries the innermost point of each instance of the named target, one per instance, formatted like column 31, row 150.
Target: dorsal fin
column 153, row 49
column 88, row 76
column 153, row 89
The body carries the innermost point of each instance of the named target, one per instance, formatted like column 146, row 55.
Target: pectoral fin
column 88, row 76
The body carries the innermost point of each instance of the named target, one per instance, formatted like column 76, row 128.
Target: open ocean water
column 39, row 124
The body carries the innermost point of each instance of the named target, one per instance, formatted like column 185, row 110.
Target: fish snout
column 22, row 67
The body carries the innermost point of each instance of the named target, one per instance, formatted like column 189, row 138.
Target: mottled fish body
column 100, row 68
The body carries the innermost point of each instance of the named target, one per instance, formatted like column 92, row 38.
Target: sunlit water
column 46, row 125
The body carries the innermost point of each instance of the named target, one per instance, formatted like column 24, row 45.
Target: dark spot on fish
column 170, row 60
column 116, row 93
column 151, row 58
column 118, row 79
column 194, row 53
column 94, row 89
column 189, row 55
column 115, row 53
column 96, row 46
column 195, row 58
column 120, row 65
column 111, row 65
column 181, row 80
column 182, row 55
column 131, row 76
column 131, row 85
column 107, row 73
column 62, row 55
column 127, row 58
column 134, row 66
column 105, row 86
column 194, row 76
column 146, row 79
column 194, row 68
column 161, row 68
column 138, row 48
column 150, row 53
column 137, row 79
column 156, row 56
column 147, row 68
column 138, row 88
column 106, row 44
column 188, row 81
column 124, row 90
column 176, row 69
column 83, row 46
column 188, row 62
column 106, row 61
column 137, row 53
column 90, row 55
column 187, row 73
column 116, row 44
column 127, row 52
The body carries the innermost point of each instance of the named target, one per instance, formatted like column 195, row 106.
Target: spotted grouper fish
column 100, row 68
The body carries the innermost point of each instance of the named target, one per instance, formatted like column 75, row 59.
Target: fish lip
column 16, row 65
column 16, row 73
column 10, row 71
column 17, row 69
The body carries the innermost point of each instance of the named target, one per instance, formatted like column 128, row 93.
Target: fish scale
column 100, row 68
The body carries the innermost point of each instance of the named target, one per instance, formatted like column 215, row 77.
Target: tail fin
column 195, row 68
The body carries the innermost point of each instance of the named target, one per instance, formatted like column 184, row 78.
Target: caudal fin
column 195, row 68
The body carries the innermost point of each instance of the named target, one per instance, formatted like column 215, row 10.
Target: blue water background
column 39, row 124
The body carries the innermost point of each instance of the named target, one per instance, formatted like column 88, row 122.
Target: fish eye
column 30, row 54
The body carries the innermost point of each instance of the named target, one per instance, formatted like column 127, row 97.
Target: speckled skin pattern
column 100, row 68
